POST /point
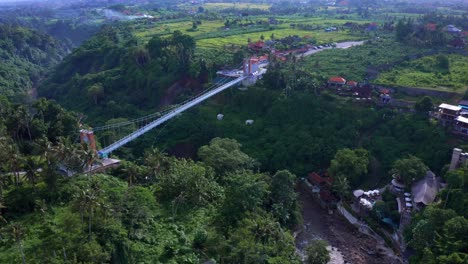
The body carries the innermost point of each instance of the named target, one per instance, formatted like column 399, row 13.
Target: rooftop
column 462, row 119
column 317, row 179
column 450, row 107
column 337, row 79
column 425, row 190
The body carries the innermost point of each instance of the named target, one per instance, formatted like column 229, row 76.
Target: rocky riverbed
column 347, row 244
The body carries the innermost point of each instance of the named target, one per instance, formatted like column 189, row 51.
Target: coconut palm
column 17, row 233
column 32, row 166
column 156, row 160
column 132, row 171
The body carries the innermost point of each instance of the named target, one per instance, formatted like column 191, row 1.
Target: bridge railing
column 200, row 98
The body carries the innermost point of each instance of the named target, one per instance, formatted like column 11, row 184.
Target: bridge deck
column 105, row 151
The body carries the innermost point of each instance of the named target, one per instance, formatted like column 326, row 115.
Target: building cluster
column 361, row 92
column 458, row 36
column 320, row 186
column 454, row 116
column 366, row 199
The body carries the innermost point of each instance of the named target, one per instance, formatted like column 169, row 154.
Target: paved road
column 341, row 45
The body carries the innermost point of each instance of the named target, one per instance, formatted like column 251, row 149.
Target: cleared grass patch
column 352, row 63
column 427, row 73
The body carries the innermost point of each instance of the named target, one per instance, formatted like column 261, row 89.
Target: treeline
column 113, row 71
column 26, row 56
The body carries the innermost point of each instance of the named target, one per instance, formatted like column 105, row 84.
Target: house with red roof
column 336, row 81
column 352, row 83
column 315, row 179
column 257, row 46
column 431, row 27
column 320, row 188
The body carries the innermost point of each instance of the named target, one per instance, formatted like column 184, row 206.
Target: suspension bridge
column 248, row 74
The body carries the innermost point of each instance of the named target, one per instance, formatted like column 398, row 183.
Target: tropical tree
column 317, row 252
column 409, row 169
column 87, row 201
column 32, row 166
column 132, row 171
column 284, row 198
column 245, row 192
column 224, row 155
column 350, row 164
column 423, row 105
column 259, row 239
column 2, row 219
column 17, row 233
column 341, row 186
column 157, row 161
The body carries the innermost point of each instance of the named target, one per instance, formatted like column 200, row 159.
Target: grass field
column 352, row 63
column 210, row 34
column 241, row 39
column 219, row 6
column 426, row 73
column 162, row 29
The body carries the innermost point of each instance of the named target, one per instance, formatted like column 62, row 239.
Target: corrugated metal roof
column 450, row 107
column 425, row 190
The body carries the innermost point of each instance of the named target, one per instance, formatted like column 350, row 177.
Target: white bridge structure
column 248, row 75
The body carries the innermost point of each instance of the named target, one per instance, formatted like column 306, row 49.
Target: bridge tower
column 250, row 66
column 87, row 136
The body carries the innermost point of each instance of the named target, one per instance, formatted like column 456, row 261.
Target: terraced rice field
column 211, row 34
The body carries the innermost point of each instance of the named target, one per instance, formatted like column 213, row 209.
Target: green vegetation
column 162, row 209
column 111, row 67
column 26, row 56
column 317, row 252
column 439, row 232
column 409, row 170
column 350, row 164
column 229, row 196
column 218, row 6
column 441, row 72
column 359, row 62
column 213, row 34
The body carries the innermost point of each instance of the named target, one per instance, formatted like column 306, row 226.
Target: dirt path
column 348, row 245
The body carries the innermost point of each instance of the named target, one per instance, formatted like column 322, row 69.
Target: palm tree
column 32, row 165
column 22, row 119
column 156, row 160
column 88, row 156
column 132, row 171
column 17, row 233
column 13, row 160
column 88, row 201
column 2, row 219
column 341, row 186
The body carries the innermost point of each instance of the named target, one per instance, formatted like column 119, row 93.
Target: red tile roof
column 352, row 83
column 317, row 179
column 431, row 26
column 385, row 91
column 337, row 79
